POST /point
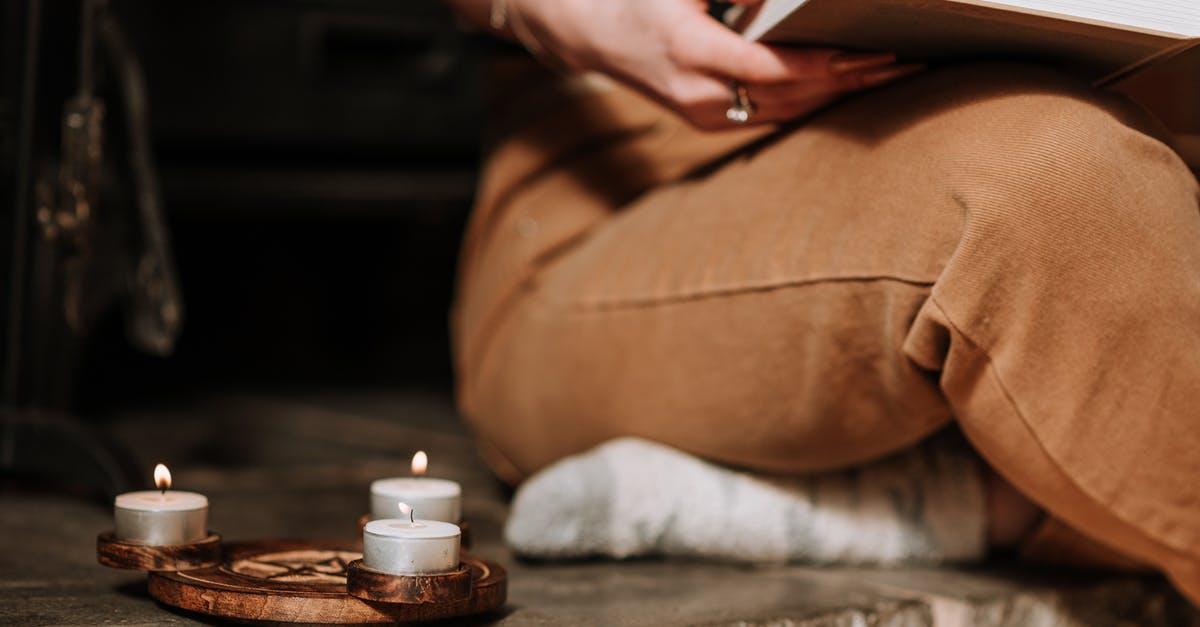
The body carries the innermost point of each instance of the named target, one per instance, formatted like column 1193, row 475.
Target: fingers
column 707, row 46
column 836, row 84
column 704, row 58
column 703, row 99
column 769, row 113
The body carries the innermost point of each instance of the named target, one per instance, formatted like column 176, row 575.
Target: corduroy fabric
column 993, row 245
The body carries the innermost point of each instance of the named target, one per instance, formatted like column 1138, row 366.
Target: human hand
column 674, row 52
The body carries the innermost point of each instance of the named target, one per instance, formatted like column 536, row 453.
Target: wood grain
column 306, row 582
column 373, row 585
column 114, row 553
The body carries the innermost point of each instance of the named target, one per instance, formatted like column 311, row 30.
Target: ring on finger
column 741, row 109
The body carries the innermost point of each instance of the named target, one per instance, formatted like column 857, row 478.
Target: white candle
column 161, row 517
column 433, row 499
column 403, row 546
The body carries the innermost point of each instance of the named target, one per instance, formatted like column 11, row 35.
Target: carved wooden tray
column 303, row 581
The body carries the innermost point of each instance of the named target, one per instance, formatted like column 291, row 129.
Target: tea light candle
column 410, row 546
column 161, row 517
column 435, row 499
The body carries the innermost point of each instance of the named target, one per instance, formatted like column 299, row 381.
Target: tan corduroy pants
column 997, row 246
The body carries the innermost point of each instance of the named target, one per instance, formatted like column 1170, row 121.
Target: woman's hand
column 675, row 53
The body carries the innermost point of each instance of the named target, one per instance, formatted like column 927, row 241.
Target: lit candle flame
column 407, row 510
column 420, row 462
column 162, row 477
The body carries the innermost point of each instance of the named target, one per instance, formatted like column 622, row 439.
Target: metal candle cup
column 402, row 547
column 433, row 499
column 161, row 517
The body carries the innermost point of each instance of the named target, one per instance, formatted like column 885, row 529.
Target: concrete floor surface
column 298, row 465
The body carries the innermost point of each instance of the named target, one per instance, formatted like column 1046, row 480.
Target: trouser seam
column 617, row 304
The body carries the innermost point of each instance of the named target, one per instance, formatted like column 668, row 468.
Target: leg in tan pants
column 995, row 246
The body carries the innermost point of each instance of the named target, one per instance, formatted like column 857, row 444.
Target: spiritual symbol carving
column 300, row 566
column 304, row 581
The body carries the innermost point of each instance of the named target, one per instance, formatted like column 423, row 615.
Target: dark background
column 317, row 162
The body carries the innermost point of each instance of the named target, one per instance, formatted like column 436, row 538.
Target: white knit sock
column 631, row 497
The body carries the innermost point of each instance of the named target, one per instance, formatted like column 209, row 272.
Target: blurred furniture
column 318, row 161
column 306, row 165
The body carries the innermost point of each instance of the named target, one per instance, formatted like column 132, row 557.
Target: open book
column 1149, row 49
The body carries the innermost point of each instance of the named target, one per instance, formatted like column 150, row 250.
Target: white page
column 1177, row 17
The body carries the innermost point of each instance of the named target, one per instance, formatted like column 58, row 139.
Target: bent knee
column 1030, row 153
column 1021, row 121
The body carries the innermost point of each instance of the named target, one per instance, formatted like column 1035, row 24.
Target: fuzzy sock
column 631, row 497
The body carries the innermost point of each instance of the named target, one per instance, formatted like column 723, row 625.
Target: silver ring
column 740, row 109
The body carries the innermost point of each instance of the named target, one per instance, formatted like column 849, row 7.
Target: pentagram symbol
column 301, row 566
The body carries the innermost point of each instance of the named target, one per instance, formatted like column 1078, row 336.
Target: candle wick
column 411, row 513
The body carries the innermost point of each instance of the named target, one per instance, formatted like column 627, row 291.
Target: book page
column 951, row 30
column 1174, row 17
column 1177, row 18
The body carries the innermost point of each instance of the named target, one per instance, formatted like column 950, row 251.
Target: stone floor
column 298, row 465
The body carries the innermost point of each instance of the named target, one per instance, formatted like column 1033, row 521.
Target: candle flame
column 420, row 462
column 162, row 477
column 406, row 510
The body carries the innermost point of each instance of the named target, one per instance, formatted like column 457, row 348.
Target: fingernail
column 850, row 61
column 883, row 75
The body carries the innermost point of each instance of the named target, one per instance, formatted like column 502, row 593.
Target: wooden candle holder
column 116, row 553
column 373, row 585
column 464, row 526
column 310, row 582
